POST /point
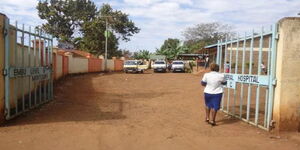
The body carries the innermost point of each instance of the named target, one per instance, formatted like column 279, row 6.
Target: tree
column 172, row 48
column 205, row 34
column 142, row 54
column 93, row 38
column 127, row 53
column 65, row 16
column 82, row 24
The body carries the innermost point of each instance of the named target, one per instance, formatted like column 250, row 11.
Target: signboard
column 107, row 34
column 231, row 84
column 37, row 73
column 245, row 78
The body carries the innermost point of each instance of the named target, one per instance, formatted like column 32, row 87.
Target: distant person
column 169, row 65
column 213, row 91
column 263, row 68
column 206, row 62
column 227, row 67
column 191, row 65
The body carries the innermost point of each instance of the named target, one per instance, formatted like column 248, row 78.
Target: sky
column 163, row 19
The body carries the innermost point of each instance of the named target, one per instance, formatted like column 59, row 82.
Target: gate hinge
column 277, row 36
column 5, row 72
column 5, row 31
column 274, row 82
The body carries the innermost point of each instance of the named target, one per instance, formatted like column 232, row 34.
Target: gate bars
column 28, row 69
column 244, row 78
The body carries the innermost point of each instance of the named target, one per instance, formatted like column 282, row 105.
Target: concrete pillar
column 2, row 18
column 286, row 112
column 37, row 45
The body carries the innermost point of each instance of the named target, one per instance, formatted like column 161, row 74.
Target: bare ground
column 132, row 112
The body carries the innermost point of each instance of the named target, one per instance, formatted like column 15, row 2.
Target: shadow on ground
column 75, row 99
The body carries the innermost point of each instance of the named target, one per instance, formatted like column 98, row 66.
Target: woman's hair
column 214, row 67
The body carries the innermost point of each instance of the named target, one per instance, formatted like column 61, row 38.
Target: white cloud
column 141, row 2
column 22, row 11
column 161, row 19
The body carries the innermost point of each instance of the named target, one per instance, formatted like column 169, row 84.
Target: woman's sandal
column 213, row 123
column 207, row 120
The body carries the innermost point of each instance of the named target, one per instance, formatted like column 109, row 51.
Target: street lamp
column 107, row 18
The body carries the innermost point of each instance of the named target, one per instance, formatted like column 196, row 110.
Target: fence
column 67, row 63
column 262, row 76
column 29, row 67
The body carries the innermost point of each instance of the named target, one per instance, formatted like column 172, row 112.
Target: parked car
column 177, row 66
column 160, row 66
column 135, row 66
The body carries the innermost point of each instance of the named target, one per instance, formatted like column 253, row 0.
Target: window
column 178, row 63
column 159, row 62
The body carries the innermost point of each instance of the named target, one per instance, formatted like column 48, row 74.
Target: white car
column 177, row 66
column 160, row 66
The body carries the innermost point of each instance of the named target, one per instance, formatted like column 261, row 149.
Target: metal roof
column 211, row 46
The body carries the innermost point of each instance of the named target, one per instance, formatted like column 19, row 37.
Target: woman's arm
column 224, row 82
column 204, row 80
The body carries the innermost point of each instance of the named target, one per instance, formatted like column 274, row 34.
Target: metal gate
column 249, row 65
column 28, row 68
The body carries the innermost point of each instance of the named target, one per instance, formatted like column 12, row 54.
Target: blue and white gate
column 249, row 65
column 28, row 68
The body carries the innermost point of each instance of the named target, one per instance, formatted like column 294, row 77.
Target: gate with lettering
column 28, row 68
column 248, row 63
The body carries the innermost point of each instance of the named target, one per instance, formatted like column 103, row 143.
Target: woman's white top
column 213, row 82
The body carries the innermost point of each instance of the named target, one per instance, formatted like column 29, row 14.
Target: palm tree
column 142, row 54
column 173, row 50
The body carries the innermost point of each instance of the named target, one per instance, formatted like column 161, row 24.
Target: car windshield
column 178, row 62
column 159, row 62
column 131, row 63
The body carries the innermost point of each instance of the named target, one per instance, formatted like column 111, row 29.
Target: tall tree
column 64, row 17
column 81, row 23
column 93, row 31
column 205, row 34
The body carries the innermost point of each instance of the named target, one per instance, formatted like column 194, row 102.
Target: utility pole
column 106, row 39
column 106, row 33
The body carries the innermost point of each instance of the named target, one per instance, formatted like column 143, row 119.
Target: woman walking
column 213, row 82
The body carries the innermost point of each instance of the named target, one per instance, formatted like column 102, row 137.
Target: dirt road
column 162, row 111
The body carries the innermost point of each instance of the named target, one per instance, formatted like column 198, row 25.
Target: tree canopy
column 142, row 54
column 172, row 48
column 205, row 34
column 81, row 23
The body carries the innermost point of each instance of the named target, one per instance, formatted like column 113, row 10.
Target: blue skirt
column 213, row 101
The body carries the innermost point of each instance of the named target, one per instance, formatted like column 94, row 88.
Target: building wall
column 118, row 65
column 286, row 111
column 78, row 65
column 65, row 65
column 59, row 66
column 110, row 64
column 94, row 65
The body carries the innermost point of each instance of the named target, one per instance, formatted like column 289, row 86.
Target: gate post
column 286, row 110
column 2, row 23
